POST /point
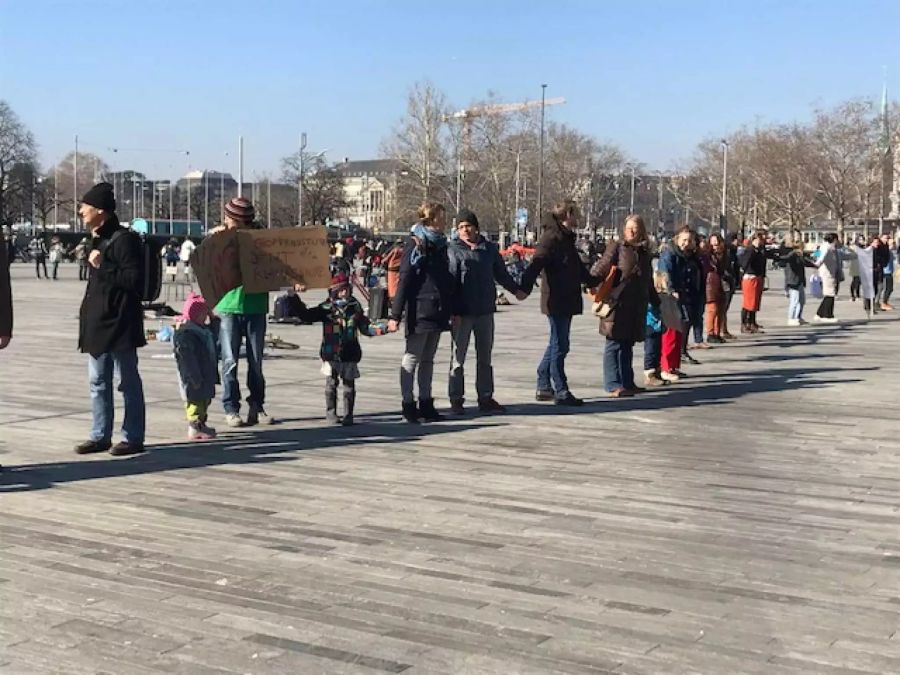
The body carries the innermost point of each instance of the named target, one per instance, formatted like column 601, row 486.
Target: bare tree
column 844, row 144
column 420, row 143
column 323, row 187
column 17, row 147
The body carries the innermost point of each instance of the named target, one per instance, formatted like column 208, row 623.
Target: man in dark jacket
column 562, row 273
column 111, row 326
column 476, row 268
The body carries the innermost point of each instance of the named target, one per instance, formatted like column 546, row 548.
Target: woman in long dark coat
column 633, row 289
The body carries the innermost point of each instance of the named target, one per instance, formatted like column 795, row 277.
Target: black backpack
column 151, row 264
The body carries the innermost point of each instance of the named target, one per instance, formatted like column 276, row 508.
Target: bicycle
column 275, row 342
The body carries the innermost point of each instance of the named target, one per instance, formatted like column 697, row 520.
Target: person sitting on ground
column 197, row 359
column 343, row 320
column 476, row 268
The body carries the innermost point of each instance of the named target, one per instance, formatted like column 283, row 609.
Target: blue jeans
column 552, row 368
column 618, row 372
column 796, row 301
column 652, row 350
column 250, row 329
column 100, row 371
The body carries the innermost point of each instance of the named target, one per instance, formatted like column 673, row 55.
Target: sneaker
column 234, row 420
column 544, row 395
column 89, row 447
column 196, row 432
column 208, row 430
column 756, row 329
column 620, row 393
column 652, row 379
column 569, row 400
column 411, row 413
column 817, row 319
column 331, row 417
column 793, row 322
column 715, row 340
column 669, row 376
column 123, row 448
column 489, row 405
column 701, row 345
column 829, row 319
column 258, row 416
column 457, row 407
column 746, row 329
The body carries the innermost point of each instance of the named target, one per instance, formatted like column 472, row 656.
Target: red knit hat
column 240, row 208
column 195, row 308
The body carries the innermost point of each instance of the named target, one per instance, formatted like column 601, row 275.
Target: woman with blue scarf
column 424, row 298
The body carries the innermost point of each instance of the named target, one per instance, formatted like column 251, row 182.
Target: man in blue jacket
column 476, row 268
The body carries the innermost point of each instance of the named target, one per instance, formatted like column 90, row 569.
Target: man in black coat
column 111, row 324
column 562, row 273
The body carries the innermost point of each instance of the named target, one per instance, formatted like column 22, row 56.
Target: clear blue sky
column 653, row 76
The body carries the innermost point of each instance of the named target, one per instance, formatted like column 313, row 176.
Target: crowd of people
column 673, row 296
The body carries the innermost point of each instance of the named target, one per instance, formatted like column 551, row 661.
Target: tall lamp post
column 300, row 182
column 723, row 221
column 540, row 194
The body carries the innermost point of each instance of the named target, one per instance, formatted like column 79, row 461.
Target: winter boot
column 349, row 403
column 331, row 416
column 411, row 413
column 427, row 411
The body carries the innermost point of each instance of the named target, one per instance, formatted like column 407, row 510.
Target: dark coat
column 795, row 263
column 753, row 261
column 6, row 302
column 424, row 291
column 715, row 270
column 562, row 273
column 341, row 326
column 685, row 277
column 633, row 290
column 111, row 317
column 196, row 357
column 475, row 272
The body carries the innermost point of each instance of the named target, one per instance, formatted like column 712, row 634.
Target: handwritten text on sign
column 273, row 259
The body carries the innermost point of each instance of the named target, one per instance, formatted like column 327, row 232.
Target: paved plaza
column 744, row 521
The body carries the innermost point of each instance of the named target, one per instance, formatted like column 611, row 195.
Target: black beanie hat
column 466, row 216
column 101, row 197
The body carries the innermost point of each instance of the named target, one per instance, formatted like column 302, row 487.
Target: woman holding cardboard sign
column 628, row 275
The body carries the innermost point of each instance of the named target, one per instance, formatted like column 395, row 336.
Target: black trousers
column 826, row 307
column 854, row 288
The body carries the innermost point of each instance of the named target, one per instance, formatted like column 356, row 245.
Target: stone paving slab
column 743, row 521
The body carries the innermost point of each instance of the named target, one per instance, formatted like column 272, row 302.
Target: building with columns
column 370, row 189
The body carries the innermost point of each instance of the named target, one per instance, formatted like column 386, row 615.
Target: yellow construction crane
column 469, row 114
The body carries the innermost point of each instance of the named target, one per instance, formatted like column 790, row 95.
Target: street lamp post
column 723, row 221
column 205, row 201
column 633, row 179
column 300, row 181
column 540, row 195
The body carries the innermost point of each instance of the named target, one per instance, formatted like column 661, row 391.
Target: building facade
column 370, row 191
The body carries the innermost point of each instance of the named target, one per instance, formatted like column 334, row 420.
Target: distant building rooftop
column 372, row 167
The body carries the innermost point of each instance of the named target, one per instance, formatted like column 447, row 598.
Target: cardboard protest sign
column 217, row 265
column 273, row 259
